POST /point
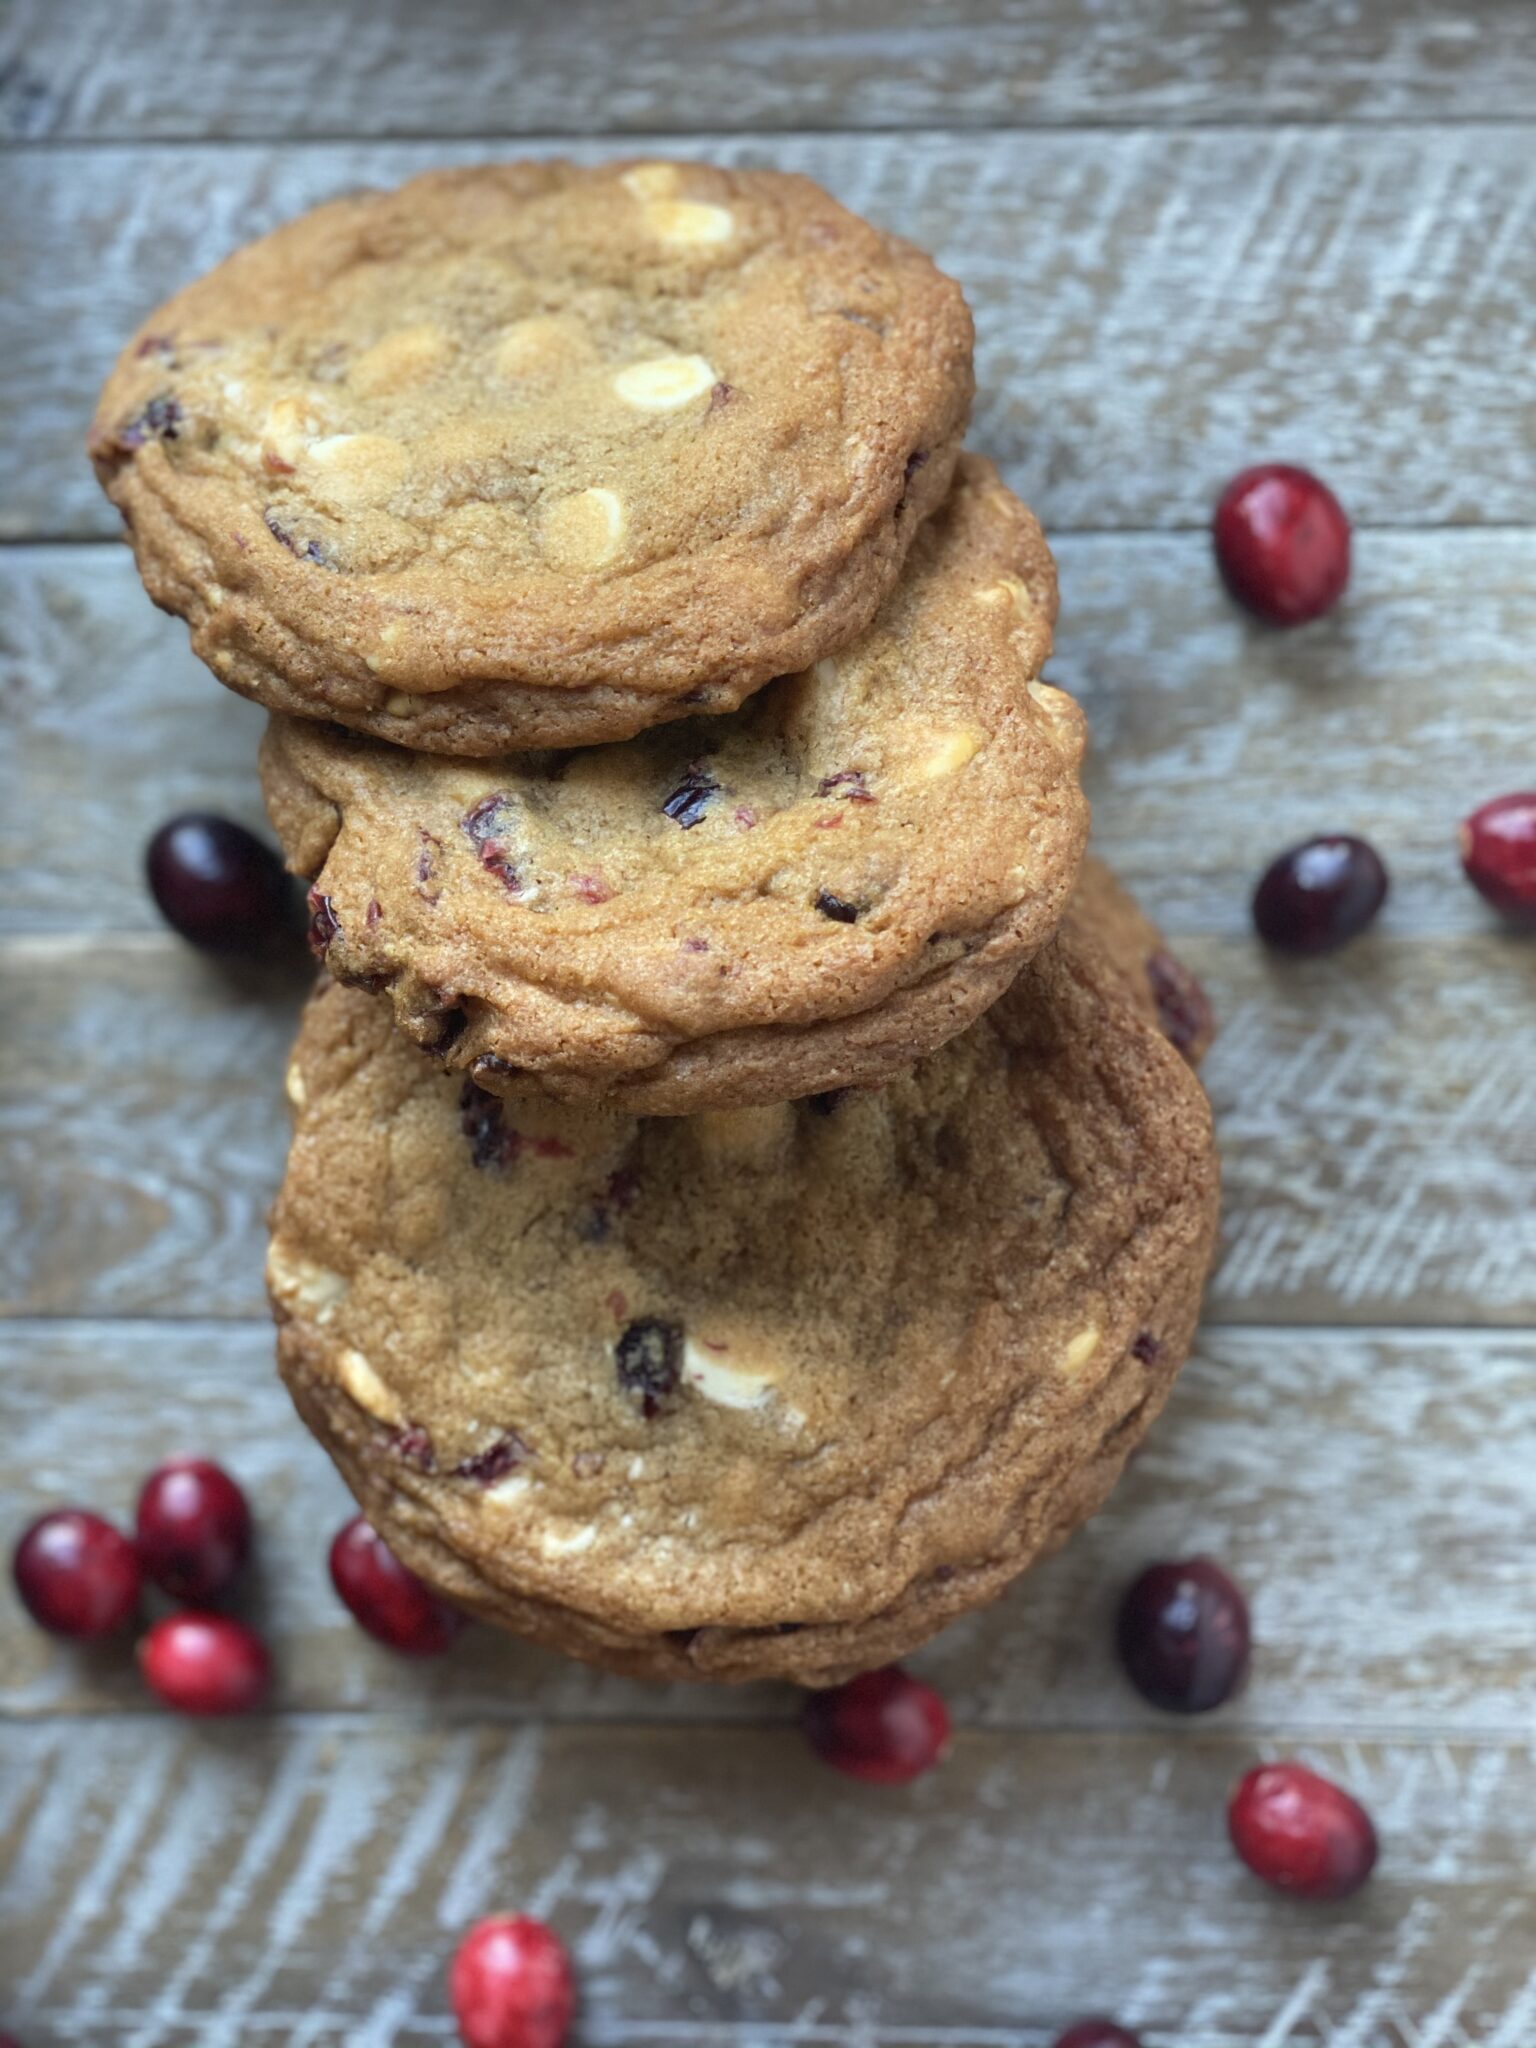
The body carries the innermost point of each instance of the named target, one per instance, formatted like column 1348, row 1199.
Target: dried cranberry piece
column 849, row 784
column 307, row 551
column 484, row 825
column 689, row 801
column 492, row 1142
column 1146, row 1348
column 495, row 1461
column 161, row 420
column 324, row 925
column 1183, row 1007
column 414, row 1444
column 835, row 908
column 649, row 1360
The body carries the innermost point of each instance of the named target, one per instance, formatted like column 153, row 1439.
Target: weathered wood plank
column 1376, row 1115
column 1338, row 1475
column 1154, row 309
column 480, row 67
column 210, row 1889
column 1400, row 707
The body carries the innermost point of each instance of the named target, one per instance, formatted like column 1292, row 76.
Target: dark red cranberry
column 689, row 802
column 503, row 1455
column 1282, row 543
column 883, row 1726
column 205, row 1664
column 218, row 885
column 386, row 1598
column 1183, row 1007
column 1300, row 1833
column 1182, row 1634
column 1098, row 2033
column 511, row 1985
column 649, row 1361
column 193, row 1529
column 1320, row 894
column 836, row 908
column 76, row 1574
column 1498, row 851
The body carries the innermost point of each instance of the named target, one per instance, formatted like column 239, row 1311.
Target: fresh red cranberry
column 1182, row 1634
column 1320, row 894
column 193, row 1529
column 511, row 1985
column 1300, row 1833
column 883, row 1726
column 76, row 1574
column 1097, row 2033
column 1498, row 851
column 218, row 885
column 205, row 1664
column 1282, row 543
column 386, row 1598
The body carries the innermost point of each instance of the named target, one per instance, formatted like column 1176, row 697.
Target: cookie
column 533, row 455
column 805, row 894
column 771, row 1392
column 1157, row 980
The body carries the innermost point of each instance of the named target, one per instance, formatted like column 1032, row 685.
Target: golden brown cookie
column 758, row 1393
column 808, row 893
column 533, row 455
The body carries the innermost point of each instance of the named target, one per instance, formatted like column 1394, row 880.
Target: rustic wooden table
column 1194, row 235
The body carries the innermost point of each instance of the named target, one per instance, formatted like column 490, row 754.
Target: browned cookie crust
column 761, row 1393
column 532, row 455
column 1159, row 983
column 806, row 894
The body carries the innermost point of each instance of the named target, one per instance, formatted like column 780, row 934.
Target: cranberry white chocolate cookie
column 535, row 455
column 753, row 1393
column 805, row 894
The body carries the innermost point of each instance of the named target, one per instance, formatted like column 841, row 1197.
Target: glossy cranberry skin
column 883, row 1726
column 386, row 1598
column 1097, row 2033
column 219, row 886
column 511, row 1985
column 77, row 1575
column 1282, row 543
column 1319, row 895
column 1301, row 1833
column 1183, row 1636
column 205, row 1664
column 1498, row 851
column 193, row 1529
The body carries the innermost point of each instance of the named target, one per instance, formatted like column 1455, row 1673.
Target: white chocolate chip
column 1007, row 590
column 688, row 223
column 951, row 751
column 745, row 1134
column 304, row 1288
column 719, row 1379
column 537, row 347
column 400, row 703
column 290, row 425
column 650, row 181
column 359, row 1379
column 360, row 469
column 1081, row 1349
column 507, row 1492
column 568, row 1543
column 293, row 1082
column 583, row 531
column 664, row 383
column 407, row 357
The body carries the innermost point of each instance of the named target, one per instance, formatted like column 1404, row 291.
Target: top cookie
column 535, row 455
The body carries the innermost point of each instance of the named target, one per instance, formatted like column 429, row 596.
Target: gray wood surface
column 1194, row 235
column 500, row 67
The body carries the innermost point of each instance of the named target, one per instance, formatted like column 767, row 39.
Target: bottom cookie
column 768, row 1393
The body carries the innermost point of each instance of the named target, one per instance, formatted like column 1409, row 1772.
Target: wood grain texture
column 1314, row 1464
column 1402, row 705
column 304, row 1884
column 1375, row 1113
column 1154, row 309
column 489, row 67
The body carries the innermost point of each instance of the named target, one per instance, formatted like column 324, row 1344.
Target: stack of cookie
column 743, row 1207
